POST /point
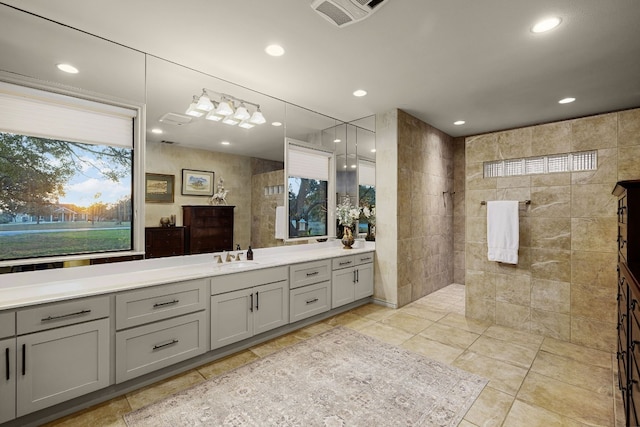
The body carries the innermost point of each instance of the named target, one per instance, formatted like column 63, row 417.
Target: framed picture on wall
column 197, row 183
column 159, row 188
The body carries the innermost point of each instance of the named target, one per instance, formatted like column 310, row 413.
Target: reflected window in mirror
column 66, row 173
column 366, row 195
column 309, row 181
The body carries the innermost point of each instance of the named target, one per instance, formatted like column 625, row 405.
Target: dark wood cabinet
column 628, row 325
column 208, row 228
column 163, row 241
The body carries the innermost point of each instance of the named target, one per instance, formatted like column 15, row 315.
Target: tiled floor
column 533, row 381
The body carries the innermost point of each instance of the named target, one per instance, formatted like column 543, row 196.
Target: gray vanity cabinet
column 352, row 279
column 8, row 380
column 310, row 293
column 260, row 304
column 59, row 364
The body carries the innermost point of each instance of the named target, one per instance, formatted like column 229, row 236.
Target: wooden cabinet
column 208, row 228
column 163, row 241
column 59, row 364
column 628, row 321
column 352, row 279
column 8, row 379
column 257, row 308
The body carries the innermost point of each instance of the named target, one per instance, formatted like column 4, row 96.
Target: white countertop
column 38, row 287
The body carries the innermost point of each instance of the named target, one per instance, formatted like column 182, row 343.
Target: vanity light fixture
column 566, row 100
column 225, row 108
column 459, row 122
column 545, row 25
column 67, row 68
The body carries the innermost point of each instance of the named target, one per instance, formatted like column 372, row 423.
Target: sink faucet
column 238, row 256
column 229, row 257
column 219, row 257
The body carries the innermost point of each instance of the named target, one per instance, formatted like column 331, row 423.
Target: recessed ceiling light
column 566, row 100
column 276, row 124
column 337, row 140
column 156, row 131
column 359, row 93
column 459, row 122
column 546, row 25
column 67, row 68
column 274, row 50
column 225, row 143
column 353, row 166
column 373, row 150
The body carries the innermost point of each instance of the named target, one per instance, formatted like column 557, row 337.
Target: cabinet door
column 342, row 287
column 231, row 317
column 60, row 364
column 271, row 306
column 8, row 380
column 364, row 281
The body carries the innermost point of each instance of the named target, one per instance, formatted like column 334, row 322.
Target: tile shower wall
column 424, row 209
column 263, row 208
column 458, row 210
column 564, row 285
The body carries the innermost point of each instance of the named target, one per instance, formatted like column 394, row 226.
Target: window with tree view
column 308, row 184
column 59, row 196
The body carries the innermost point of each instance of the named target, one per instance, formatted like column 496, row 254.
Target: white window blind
column 33, row 112
column 366, row 173
column 307, row 163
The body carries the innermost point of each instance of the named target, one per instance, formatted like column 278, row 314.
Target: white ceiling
column 440, row 61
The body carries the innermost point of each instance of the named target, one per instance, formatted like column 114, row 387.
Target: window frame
column 331, row 188
column 137, row 169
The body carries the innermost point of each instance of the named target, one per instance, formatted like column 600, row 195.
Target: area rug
column 338, row 378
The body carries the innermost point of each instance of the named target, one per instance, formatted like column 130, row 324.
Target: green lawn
column 30, row 245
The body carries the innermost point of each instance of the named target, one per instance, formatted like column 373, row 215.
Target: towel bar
column 526, row 202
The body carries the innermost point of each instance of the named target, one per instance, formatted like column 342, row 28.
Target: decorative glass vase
column 347, row 238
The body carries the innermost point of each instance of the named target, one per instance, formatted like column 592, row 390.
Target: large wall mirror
column 247, row 162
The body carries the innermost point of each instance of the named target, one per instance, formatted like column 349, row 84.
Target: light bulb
column 257, row 118
column 241, row 113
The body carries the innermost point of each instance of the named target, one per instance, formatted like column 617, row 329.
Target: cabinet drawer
column 150, row 347
column 248, row 279
column 62, row 314
column 622, row 241
column 343, row 262
column 160, row 302
column 7, row 324
column 364, row 258
column 309, row 300
column 309, row 273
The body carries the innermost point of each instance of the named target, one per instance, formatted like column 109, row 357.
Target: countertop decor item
column 347, row 216
column 220, row 197
column 340, row 377
column 347, row 238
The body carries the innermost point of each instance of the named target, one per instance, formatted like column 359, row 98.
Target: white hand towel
column 503, row 237
column 281, row 223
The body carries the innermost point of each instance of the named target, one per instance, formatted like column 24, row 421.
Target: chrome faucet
column 238, row 256
column 229, row 257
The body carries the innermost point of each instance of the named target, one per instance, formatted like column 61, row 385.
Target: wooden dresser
column 628, row 351
column 163, row 241
column 208, row 228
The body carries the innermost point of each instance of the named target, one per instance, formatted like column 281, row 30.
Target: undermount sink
column 239, row 264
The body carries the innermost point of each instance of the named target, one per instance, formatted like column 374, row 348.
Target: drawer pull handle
column 624, row 242
column 174, row 341
column 24, row 359
column 365, row 259
column 311, row 301
column 162, row 304
column 251, row 306
column 315, row 273
column 257, row 301
column 345, row 263
column 63, row 316
column 6, row 355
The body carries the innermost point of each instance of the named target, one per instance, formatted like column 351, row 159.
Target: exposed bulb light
column 242, row 113
column 157, row 131
column 257, row 117
column 246, row 125
column 546, row 25
column 67, row 68
column 276, row 124
column 359, row 93
column 566, row 100
column 193, row 109
column 274, row 50
column 204, row 103
column 459, row 122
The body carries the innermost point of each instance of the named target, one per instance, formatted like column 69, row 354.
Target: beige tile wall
column 458, row 210
column 565, row 283
column 263, row 209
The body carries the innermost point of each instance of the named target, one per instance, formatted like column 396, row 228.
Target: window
column 570, row 162
column 66, row 177
column 366, row 194
column 310, row 186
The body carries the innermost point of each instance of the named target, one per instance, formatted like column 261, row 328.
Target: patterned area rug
column 338, row 378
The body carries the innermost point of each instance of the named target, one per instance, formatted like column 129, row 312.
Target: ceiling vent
column 175, row 119
column 345, row 12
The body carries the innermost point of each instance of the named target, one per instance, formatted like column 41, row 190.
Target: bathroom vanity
column 74, row 337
